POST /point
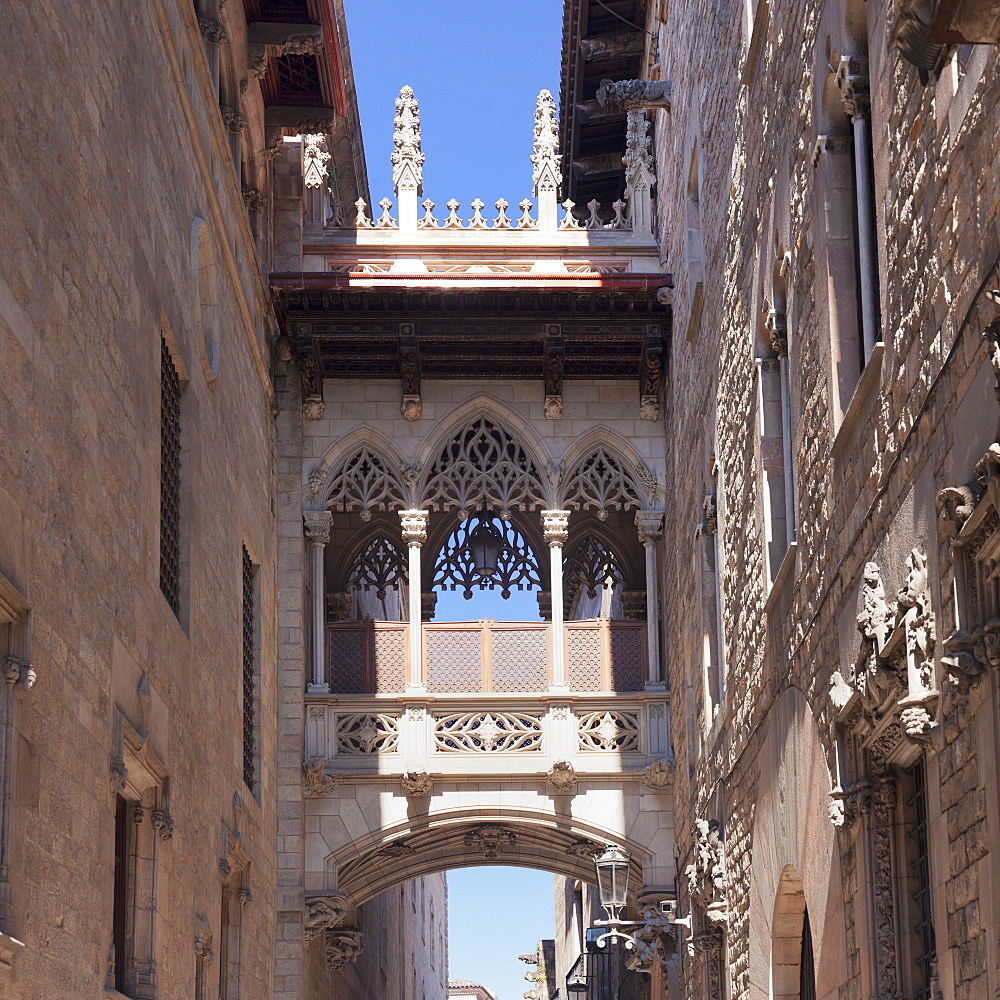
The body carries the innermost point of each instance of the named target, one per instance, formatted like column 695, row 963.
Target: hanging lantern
column 612, row 880
column 576, row 981
column 484, row 544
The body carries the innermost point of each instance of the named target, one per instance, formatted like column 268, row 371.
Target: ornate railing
column 486, row 657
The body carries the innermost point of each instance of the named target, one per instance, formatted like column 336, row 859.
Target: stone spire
column 640, row 174
column 545, row 163
column 407, row 159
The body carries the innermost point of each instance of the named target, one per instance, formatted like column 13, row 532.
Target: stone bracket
column 409, row 368
column 555, row 362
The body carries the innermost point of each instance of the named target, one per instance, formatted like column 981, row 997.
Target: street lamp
column 484, row 545
column 612, row 882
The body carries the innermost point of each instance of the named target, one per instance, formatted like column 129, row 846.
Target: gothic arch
column 639, row 475
column 480, row 461
column 425, row 842
column 320, row 485
column 792, row 831
column 391, row 568
column 500, row 413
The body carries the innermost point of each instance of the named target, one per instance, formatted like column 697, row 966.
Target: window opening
column 121, row 918
column 593, row 580
column 377, row 581
column 249, row 714
column 807, row 971
column 170, row 479
column 923, row 929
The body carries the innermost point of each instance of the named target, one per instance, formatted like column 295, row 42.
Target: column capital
column 414, row 526
column 650, row 525
column 555, row 526
column 852, row 78
column 317, row 524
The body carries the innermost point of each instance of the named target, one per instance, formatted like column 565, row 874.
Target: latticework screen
column 583, row 658
column 519, row 660
column 170, row 479
column 249, row 709
column 454, row 661
column 626, row 659
column 390, row 661
column 347, row 660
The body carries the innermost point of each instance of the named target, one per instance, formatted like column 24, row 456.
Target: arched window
column 593, row 580
column 364, row 483
column 486, row 553
column 376, row 582
column 484, row 468
column 601, row 483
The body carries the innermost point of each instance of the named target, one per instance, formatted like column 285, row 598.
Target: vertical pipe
column 786, row 448
column 867, row 251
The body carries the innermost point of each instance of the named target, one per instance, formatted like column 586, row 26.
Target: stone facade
column 888, row 401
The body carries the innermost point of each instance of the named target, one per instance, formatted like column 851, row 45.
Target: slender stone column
column 555, row 528
column 852, row 76
column 317, row 524
column 650, row 525
column 414, row 528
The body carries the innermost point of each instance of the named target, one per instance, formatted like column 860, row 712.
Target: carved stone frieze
column 322, row 914
column 397, row 849
column 585, row 849
column 343, row 945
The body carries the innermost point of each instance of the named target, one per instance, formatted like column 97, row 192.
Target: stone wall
column 869, row 455
column 120, row 151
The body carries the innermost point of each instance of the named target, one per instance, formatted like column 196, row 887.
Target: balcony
column 486, row 657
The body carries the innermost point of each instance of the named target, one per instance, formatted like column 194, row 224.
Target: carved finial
column 545, row 174
column 315, row 157
column 620, row 221
column 477, row 221
column 386, row 221
column 544, row 159
column 570, row 221
column 594, row 222
column 453, row 221
column 362, row 221
column 428, row 221
column 640, row 174
column 526, row 221
column 501, row 221
column 407, row 158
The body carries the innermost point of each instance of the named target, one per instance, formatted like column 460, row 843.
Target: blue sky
column 476, row 68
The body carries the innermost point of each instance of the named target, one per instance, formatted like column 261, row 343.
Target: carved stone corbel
column 561, row 777
column 343, row 945
column 323, row 913
column 313, row 407
column 659, row 776
column 555, row 363
column 416, row 784
column 652, row 374
column 706, row 875
column 409, row 368
column 634, row 95
column 315, row 781
column 163, row 824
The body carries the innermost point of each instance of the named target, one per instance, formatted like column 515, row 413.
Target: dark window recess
column 248, row 665
column 120, row 917
column 170, row 480
column 807, row 971
column 923, row 930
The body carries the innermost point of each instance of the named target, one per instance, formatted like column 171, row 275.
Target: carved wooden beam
column 409, row 368
column 600, row 47
column 313, row 406
column 555, row 363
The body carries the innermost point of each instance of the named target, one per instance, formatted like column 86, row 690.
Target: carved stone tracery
column 364, row 483
column 601, row 482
